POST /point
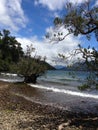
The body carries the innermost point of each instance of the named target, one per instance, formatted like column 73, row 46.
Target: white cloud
column 77, row 1
column 52, row 4
column 56, row 4
column 51, row 51
column 96, row 3
column 12, row 15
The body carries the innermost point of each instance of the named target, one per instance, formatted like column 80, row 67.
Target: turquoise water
column 67, row 77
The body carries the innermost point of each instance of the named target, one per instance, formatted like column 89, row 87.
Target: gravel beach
column 17, row 113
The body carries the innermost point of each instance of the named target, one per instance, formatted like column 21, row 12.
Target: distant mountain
column 60, row 67
column 76, row 66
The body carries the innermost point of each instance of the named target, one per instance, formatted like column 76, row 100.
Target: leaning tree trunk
column 31, row 79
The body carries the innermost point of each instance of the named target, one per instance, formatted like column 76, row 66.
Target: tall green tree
column 10, row 48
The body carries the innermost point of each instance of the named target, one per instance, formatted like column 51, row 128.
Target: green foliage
column 90, row 55
column 97, row 86
column 10, row 51
column 91, row 82
column 4, row 65
column 83, row 87
column 91, row 79
column 29, row 66
column 10, row 48
column 80, row 19
column 57, row 21
column 87, row 86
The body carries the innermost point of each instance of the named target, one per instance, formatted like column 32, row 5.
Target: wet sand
column 18, row 113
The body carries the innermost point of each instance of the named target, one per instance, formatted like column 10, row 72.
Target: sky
column 30, row 20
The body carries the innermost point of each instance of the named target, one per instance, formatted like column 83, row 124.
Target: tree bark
column 30, row 79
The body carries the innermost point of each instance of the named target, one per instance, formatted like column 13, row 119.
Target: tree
column 81, row 19
column 30, row 67
column 10, row 48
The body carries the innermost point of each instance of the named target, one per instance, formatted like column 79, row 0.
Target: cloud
column 96, row 3
column 56, row 4
column 51, row 51
column 77, row 1
column 12, row 15
column 51, row 4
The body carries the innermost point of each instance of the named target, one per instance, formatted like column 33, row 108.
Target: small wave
column 8, row 74
column 61, row 79
column 70, row 79
column 69, row 92
column 10, row 77
column 11, row 80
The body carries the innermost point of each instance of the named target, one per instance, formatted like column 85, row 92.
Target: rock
column 63, row 125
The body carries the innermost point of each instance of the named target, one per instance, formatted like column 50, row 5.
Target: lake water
column 60, row 89
column 65, row 80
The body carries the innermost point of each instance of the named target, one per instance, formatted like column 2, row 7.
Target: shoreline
column 20, row 114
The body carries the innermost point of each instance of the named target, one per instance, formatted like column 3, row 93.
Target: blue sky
column 29, row 20
column 38, row 19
